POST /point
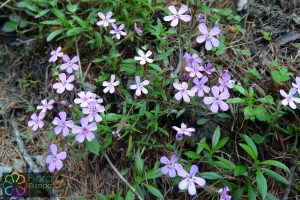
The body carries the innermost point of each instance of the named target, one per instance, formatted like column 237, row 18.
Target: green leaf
column 107, row 141
column 192, row 155
column 250, row 144
column 262, row 113
column 139, row 164
column 202, row 121
column 112, row 117
column 155, row 67
column 246, row 52
column 275, row 164
column 241, row 90
column 164, row 55
column 72, row 8
column 98, row 39
column 211, row 175
column 267, row 99
column 236, row 100
column 221, row 143
column 249, row 151
column 93, row 146
column 251, row 193
column 216, row 137
column 74, row 31
column 9, row 26
column 51, row 22
column 240, row 170
column 225, row 164
column 42, row 13
column 100, row 196
column 257, row 138
column 154, row 191
column 153, row 174
column 130, row 195
column 15, row 18
column 266, row 36
column 59, row 14
column 180, row 112
column 261, row 182
column 249, row 112
column 54, row 34
column 275, row 175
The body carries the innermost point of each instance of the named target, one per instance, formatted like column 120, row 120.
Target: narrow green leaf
column 74, row 31
column 164, row 55
column 275, row 175
column 236, row 100
column 139, row 164
column 210, row 175
column 53, row 35
column 221, row 143
column 226, row 163
column 154, row 191
column 155, row 67
column 251, row 144
column 251, row 193
column 192, row 155
column 130, row 195
column 240, row 170
column 202, row 121
column 93, row 146
column 275, row 164
column 153, row 173
column 216, row 137
column 249, row 151
column 261, row 182
column 241, row 90
column 9, row 26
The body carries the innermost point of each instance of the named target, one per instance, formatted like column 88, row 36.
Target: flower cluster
column 290, row 98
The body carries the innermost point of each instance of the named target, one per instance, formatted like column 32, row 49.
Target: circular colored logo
column 15, row 185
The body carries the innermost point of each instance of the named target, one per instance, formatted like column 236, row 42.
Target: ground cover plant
column 159, row 99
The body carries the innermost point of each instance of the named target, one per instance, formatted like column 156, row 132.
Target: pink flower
column 194, row 71
column 93, row 111
column 183, row 130
column 208, row 36
column 55, row 159
column 45, row 105
column 177, row 15
column 110, row 86
column 62, row 124
column 200, row 87
column 190, row 179
column 84, row 131
column 183, row 92
column 297, row 84
column 137, row 30
column 69, row 65
column 207, row 68
column 36, row 121
column 192, row 60
column 65, row 83
column 143, row 58
column 85, row 98
column 223, row 193
column 217, row 100
column 289, row 98
column 139, row 86
column 170, row 165
column 105, row 19
column 225, row 75
column 54, row 54
column 118, row 31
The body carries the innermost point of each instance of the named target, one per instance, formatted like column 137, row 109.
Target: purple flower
column 208, row 36
column 137, row 30
column 118, row 31
column 207, row 68
column 84, row 131
column 85, row 98
column 183, row 92
column 62, row 124
column 45, row 105
column 143, row 58
column 194, row 71
column 110, row 86
column 183, row 130
column 297, row 84
column 170, row 165
column 225, row 83
column 116, row 134
column 200, row 87
column 225, row 75
column 177, row 15
column 184, row 77
column 69, row 65
column 223, row 193
column 289, row 98
column 105, row 20
column 217, row 100
column 190, row 179
column 201, row 18
column 54, row 54
column 36, row 121
column 93, row 111
column 139, row 86
column 65, row 83
column 63, row 103
column 55, row 159
column 192, row 60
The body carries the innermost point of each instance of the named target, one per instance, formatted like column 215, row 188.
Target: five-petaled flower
column 143, row 58
column 190, row 179
column 139, row 86
column 177, row 15
column 54, row 54
column 110, row 86
column 85, row 130
column 85, row 98
column 225, row 83
column 118, row 31
column 45, row 105
column 93, row 110
column 65, row 83
column 217, row 100
column 208, row 36
column 192, row 60
column 36, row 121
column 207, row 67
column 62, row 124
column 183, row 92
column 105, row 20
column 70, row 64
column 297, row 84
column 290, row 99
column 170, row 165
column 223, row 193
column 200, row 87
column 137, row 30
column 55, row 160
column 183, row 130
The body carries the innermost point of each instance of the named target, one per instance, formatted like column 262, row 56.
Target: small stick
column 6, row 2
column 122, row 177
column 79, row 63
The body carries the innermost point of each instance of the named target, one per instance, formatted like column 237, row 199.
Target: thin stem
column 79, row 63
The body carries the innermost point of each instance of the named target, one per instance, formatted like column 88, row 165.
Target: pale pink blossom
column 64, row 84
column 183, row 92
column 176, row 15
